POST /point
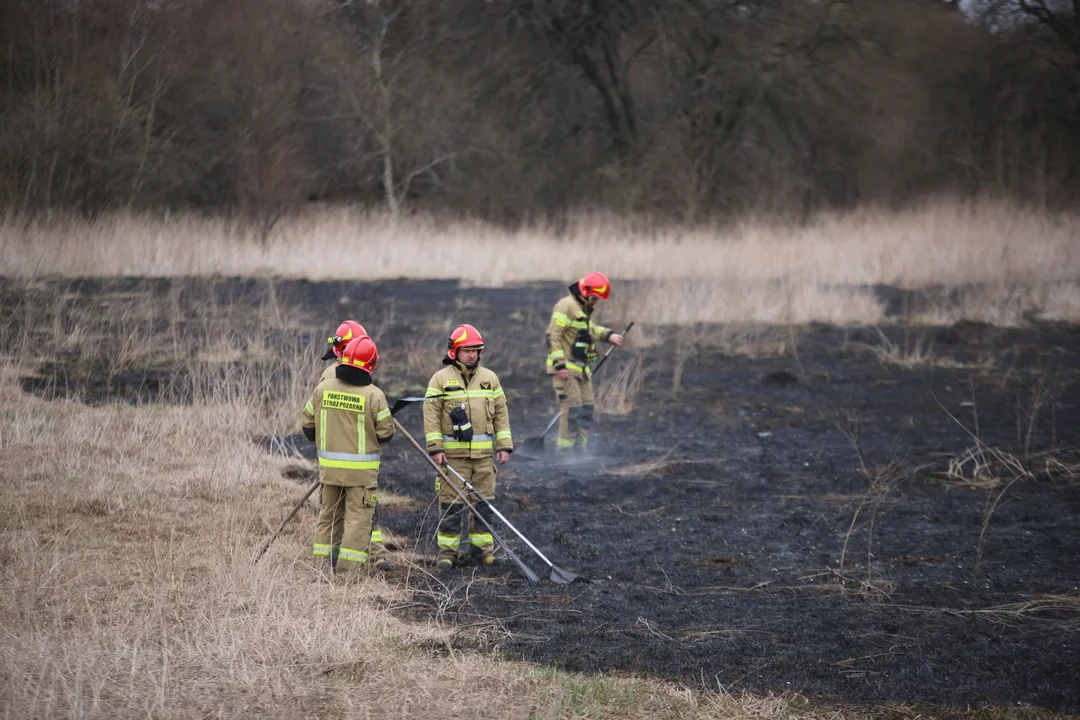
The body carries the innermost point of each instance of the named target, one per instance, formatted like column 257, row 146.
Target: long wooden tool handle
column 403, row 402
column 266, row 545
column 527, row 571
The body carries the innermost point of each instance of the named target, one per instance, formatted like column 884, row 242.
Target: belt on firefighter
column 348, row 461
column 480, row 441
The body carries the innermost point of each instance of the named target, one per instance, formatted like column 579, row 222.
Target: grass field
column 128, row 530
column 1012, row 260
column 129, row 591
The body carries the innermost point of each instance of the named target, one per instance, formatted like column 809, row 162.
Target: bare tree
column 1062, row 17
column 603, row 39
column 529, row 108
column 374, row 22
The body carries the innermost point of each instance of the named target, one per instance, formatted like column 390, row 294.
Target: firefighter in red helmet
column 347, row 330
column 349, row 420
column 466, row 425
column 571, row 343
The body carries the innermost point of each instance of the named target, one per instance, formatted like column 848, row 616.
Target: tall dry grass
column 126, row 547
column 945, row 242
column 756, row 270
column 129, row 592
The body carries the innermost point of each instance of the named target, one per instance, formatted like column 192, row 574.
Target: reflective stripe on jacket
column 484, row 401
column 350, row 422
column 569, row 322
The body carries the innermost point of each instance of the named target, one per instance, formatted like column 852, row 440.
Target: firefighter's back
column 345, row 432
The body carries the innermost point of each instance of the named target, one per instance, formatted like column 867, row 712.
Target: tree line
column 512, row 110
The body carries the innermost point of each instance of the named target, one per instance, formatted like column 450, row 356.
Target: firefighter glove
column 463, row 431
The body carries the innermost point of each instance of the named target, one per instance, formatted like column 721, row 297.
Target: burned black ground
column 797, row 517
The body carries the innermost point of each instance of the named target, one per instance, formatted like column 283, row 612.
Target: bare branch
column 407, row 183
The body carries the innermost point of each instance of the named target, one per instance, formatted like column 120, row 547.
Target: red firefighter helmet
column 594, row 284
column 361, row 353
column 346, row 331
column 464, row 336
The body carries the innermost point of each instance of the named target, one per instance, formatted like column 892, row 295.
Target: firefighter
column 349, row 420
column 571, row 344
column 346, row 331
column 466, row 424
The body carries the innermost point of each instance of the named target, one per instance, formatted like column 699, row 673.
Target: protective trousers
column 343, row 530
column 377, row 548
column 454, row 517
column 576, row 403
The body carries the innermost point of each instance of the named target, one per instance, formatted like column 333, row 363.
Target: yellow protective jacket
column 350, row 424
column 572, row 336
column 485, row 404
column 329, row 372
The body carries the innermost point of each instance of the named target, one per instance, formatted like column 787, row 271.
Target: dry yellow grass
column 126, row 556
column 787, row 302
column 917, row 351
column 128, row 532
column 950, row 243
column 129, row 592
column 127, row 537
column 757, row 270
column 618, row 393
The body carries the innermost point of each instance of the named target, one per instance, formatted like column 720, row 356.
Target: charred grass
column 130, row 523
column 759, row 515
